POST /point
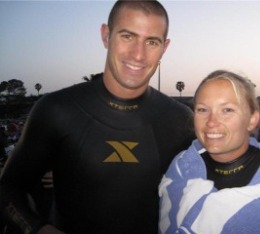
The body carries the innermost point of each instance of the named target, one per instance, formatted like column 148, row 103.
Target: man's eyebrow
column 136, row 35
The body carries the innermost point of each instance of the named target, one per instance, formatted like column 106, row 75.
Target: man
column 107, row 141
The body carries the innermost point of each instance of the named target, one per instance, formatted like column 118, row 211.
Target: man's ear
column 166, row 44
column 105, row 35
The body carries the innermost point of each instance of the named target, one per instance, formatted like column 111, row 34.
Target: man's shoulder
column 78, row 90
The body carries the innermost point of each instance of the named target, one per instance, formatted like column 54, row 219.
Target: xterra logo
column 122, row 152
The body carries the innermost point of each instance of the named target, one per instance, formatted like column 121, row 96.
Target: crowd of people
column 10, row 132
column 116, row 156
column 42, row 194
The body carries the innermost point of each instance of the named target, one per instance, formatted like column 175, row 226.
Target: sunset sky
column 56, row 43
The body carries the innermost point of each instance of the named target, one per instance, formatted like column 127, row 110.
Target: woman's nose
column 212, row 120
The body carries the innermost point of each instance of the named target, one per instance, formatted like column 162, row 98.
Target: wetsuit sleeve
column 26, row 166
column 174, row 132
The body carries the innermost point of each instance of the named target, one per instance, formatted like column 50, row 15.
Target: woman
column 214, row 186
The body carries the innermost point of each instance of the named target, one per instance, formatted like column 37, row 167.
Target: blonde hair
column 242, row 86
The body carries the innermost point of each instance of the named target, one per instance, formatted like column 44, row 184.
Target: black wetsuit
column 237, row 173
column 107, row 156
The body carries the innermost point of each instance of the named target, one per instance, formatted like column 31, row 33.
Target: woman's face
column 222, row 124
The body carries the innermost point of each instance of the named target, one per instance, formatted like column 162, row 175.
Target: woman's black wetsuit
column 107, row 157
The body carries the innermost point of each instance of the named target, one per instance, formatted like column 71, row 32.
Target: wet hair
column 242, row 86
column 148, row 7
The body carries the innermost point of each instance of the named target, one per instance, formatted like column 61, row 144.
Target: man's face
column 135, row 47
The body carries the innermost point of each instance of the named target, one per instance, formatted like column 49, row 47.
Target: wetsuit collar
column 120, row 103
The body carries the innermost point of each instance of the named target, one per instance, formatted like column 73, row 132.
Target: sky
column 56, row 43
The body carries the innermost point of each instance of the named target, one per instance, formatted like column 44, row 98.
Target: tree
column 13, row 88
column 86, row 78
column 38, row 87
column 180, row 86
column 3, row 86
column 92, row 77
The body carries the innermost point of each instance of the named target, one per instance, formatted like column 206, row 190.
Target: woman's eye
column 201, row 110
column 228, row 110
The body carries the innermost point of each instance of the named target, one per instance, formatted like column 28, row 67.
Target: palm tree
column 180, row 86
column 91, row 78
column 86, row 78
column 38, row 86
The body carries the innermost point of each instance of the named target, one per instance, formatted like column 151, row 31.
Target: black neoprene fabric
column 107, row 155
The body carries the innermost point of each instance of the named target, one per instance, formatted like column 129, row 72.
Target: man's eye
column 126, row 36
column 152, row 43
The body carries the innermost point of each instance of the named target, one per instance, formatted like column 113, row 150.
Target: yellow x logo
column 122, row 152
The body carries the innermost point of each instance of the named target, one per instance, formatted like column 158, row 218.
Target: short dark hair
column 148, row 7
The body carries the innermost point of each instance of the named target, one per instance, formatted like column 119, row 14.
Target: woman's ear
column 105, row 35
column 254, row 121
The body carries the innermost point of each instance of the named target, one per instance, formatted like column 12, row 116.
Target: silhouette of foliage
column 12, row 87
column 180, row 86
column 38, row 87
